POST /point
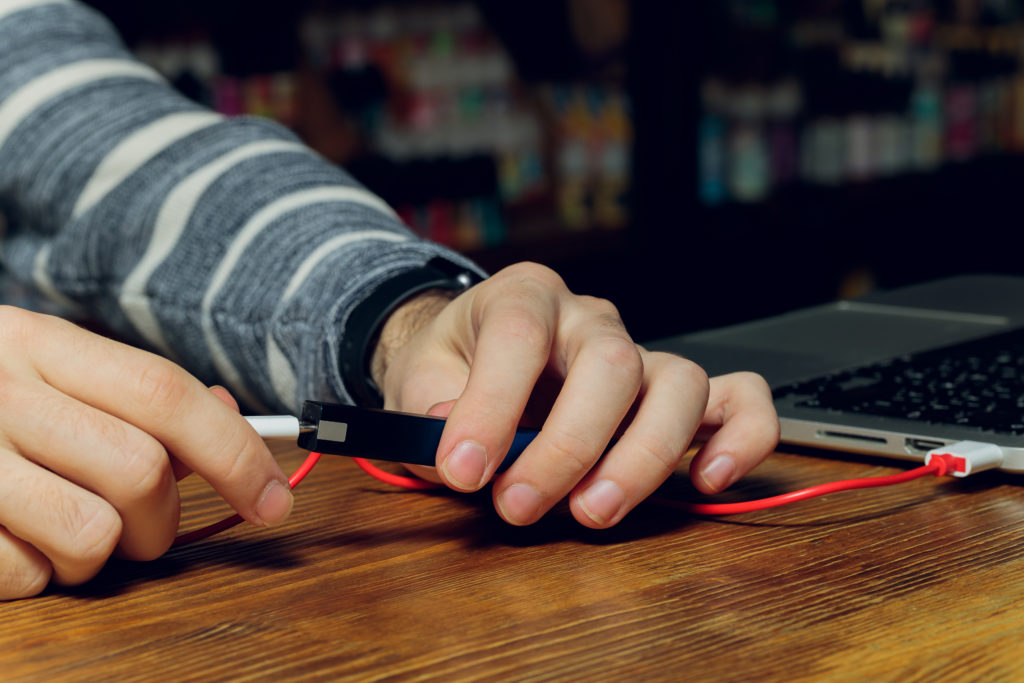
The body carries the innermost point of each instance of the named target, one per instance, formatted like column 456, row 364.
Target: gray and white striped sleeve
column 223, row 243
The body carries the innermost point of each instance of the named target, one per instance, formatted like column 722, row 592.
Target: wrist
column 405, row 321
column 364, row 328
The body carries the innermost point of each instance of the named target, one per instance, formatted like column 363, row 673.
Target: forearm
column 225, row 244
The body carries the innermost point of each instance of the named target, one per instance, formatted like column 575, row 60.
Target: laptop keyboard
column 978, row 383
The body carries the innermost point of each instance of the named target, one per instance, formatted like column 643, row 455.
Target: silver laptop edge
column 814, row 341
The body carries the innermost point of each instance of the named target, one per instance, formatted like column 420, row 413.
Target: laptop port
column 921, row 446
column 832, row 434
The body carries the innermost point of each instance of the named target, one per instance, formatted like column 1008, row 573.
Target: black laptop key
column 977, row 383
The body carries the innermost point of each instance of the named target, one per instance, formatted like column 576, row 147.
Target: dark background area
column 680, row 262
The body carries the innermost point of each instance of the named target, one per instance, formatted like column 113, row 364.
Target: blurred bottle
column 926, row 115
column 823, row 140
column 711, row 143
column 893, row 137
column 749, row 175
column 572, row 162
column 823, row 136
column 611, row 208
column 785, row 101
column 961, row 107
column 861, row 129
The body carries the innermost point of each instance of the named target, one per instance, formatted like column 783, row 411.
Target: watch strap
column 364, row 323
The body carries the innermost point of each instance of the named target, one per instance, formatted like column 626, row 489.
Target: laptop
column 894, row 373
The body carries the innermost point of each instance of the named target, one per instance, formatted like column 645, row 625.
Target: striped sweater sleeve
column 223, row 243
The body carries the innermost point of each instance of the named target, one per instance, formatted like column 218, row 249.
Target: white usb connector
column 275, row 426
column 968, row 457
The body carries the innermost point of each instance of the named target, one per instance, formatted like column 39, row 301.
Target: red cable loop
column 413, row 483
column 936, row 468
column 215, row 528
column 939, row 465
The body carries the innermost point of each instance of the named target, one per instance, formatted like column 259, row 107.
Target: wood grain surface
column 917, row 582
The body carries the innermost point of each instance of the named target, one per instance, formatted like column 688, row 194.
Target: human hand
column 93, row 434
column 521, row 345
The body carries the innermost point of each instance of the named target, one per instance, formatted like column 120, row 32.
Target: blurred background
column 698, row 163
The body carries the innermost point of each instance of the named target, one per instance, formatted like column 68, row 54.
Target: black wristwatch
column 366, row 319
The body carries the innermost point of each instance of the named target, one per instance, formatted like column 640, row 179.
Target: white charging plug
column 968, row 457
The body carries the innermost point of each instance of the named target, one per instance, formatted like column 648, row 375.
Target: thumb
column 429, row 473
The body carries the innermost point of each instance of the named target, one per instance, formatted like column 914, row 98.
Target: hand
column 86, row 428
column 520, row 345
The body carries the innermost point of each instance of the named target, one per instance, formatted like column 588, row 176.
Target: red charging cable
column 293, row 481
column 414, row 483
column 940, row 465
column 209, row 530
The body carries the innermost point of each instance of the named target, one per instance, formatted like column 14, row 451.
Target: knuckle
column 753, row 385
column 622, row 354
column 605, row 315
column 662, row 454
column 527, row 327
column 534, row 274
column 687, row 373
column 604, row 309
column 143, row 465
column 26, row 580
column 525, row 284
column 573, row 455
column 93, row 530
column 20, row 328
column 15, row 322
column 12, row 391
column 162, row 387
column 754, row 381
column 230, row 462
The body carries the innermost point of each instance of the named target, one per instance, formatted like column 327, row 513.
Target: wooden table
column 921, row 581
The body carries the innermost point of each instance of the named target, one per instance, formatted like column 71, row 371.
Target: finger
column 100, row 453
column 741, row 404
column 441, row 409
column 605, row 373
column 24, row 571
column 515, row 332
column 74, row 528
column 671, row 404
column 225, row 396
column 163, row 400
column 181, row 470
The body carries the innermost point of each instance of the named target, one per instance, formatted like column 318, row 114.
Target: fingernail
column 602, row 501
column 275, row 504
column 465, row 465
column 520, row 504
column 719, row 472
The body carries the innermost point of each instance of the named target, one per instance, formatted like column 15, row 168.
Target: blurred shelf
column 962, row 215
column 553, row 245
